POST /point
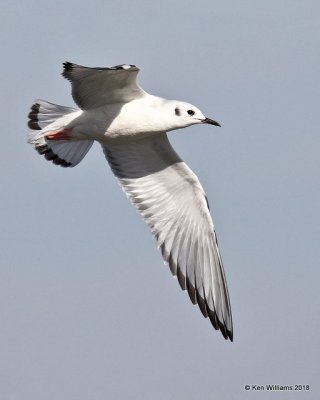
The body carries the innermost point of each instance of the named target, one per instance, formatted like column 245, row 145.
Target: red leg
column 59, row 135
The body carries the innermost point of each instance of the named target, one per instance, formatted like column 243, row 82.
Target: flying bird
column 131, row 126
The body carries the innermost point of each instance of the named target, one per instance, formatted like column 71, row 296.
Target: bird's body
column 131, row 126
column 145, row 114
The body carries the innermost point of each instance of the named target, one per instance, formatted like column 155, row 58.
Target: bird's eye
column 190, row 112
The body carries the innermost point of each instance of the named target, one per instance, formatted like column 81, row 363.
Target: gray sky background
column 87, row 308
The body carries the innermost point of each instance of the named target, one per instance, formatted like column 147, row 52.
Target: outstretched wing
column 171, row 200
column 95, row 87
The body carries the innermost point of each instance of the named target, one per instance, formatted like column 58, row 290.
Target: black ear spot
column 177, row 111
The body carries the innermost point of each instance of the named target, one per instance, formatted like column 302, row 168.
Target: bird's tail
column 49, row 134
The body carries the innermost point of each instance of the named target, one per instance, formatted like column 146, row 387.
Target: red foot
column 58, row 135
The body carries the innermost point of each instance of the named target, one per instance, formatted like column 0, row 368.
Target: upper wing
column 95, row 87
column 170, row 198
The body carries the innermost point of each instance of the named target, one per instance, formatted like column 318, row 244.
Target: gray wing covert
column 96, row 87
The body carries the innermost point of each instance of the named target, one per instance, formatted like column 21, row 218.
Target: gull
column 131, row 126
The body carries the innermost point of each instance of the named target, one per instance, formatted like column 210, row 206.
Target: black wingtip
column 67, row 65
column 202, row 304
column 229, row 335
column 49, row 155
column 218, row 325
column 33, row 117
column 226, row 333
column 67, row 69
column 191, row 291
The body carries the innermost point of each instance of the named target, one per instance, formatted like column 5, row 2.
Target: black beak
column 210, row 121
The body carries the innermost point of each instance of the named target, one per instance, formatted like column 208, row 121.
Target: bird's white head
column 185, row 114
column 155, row 114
